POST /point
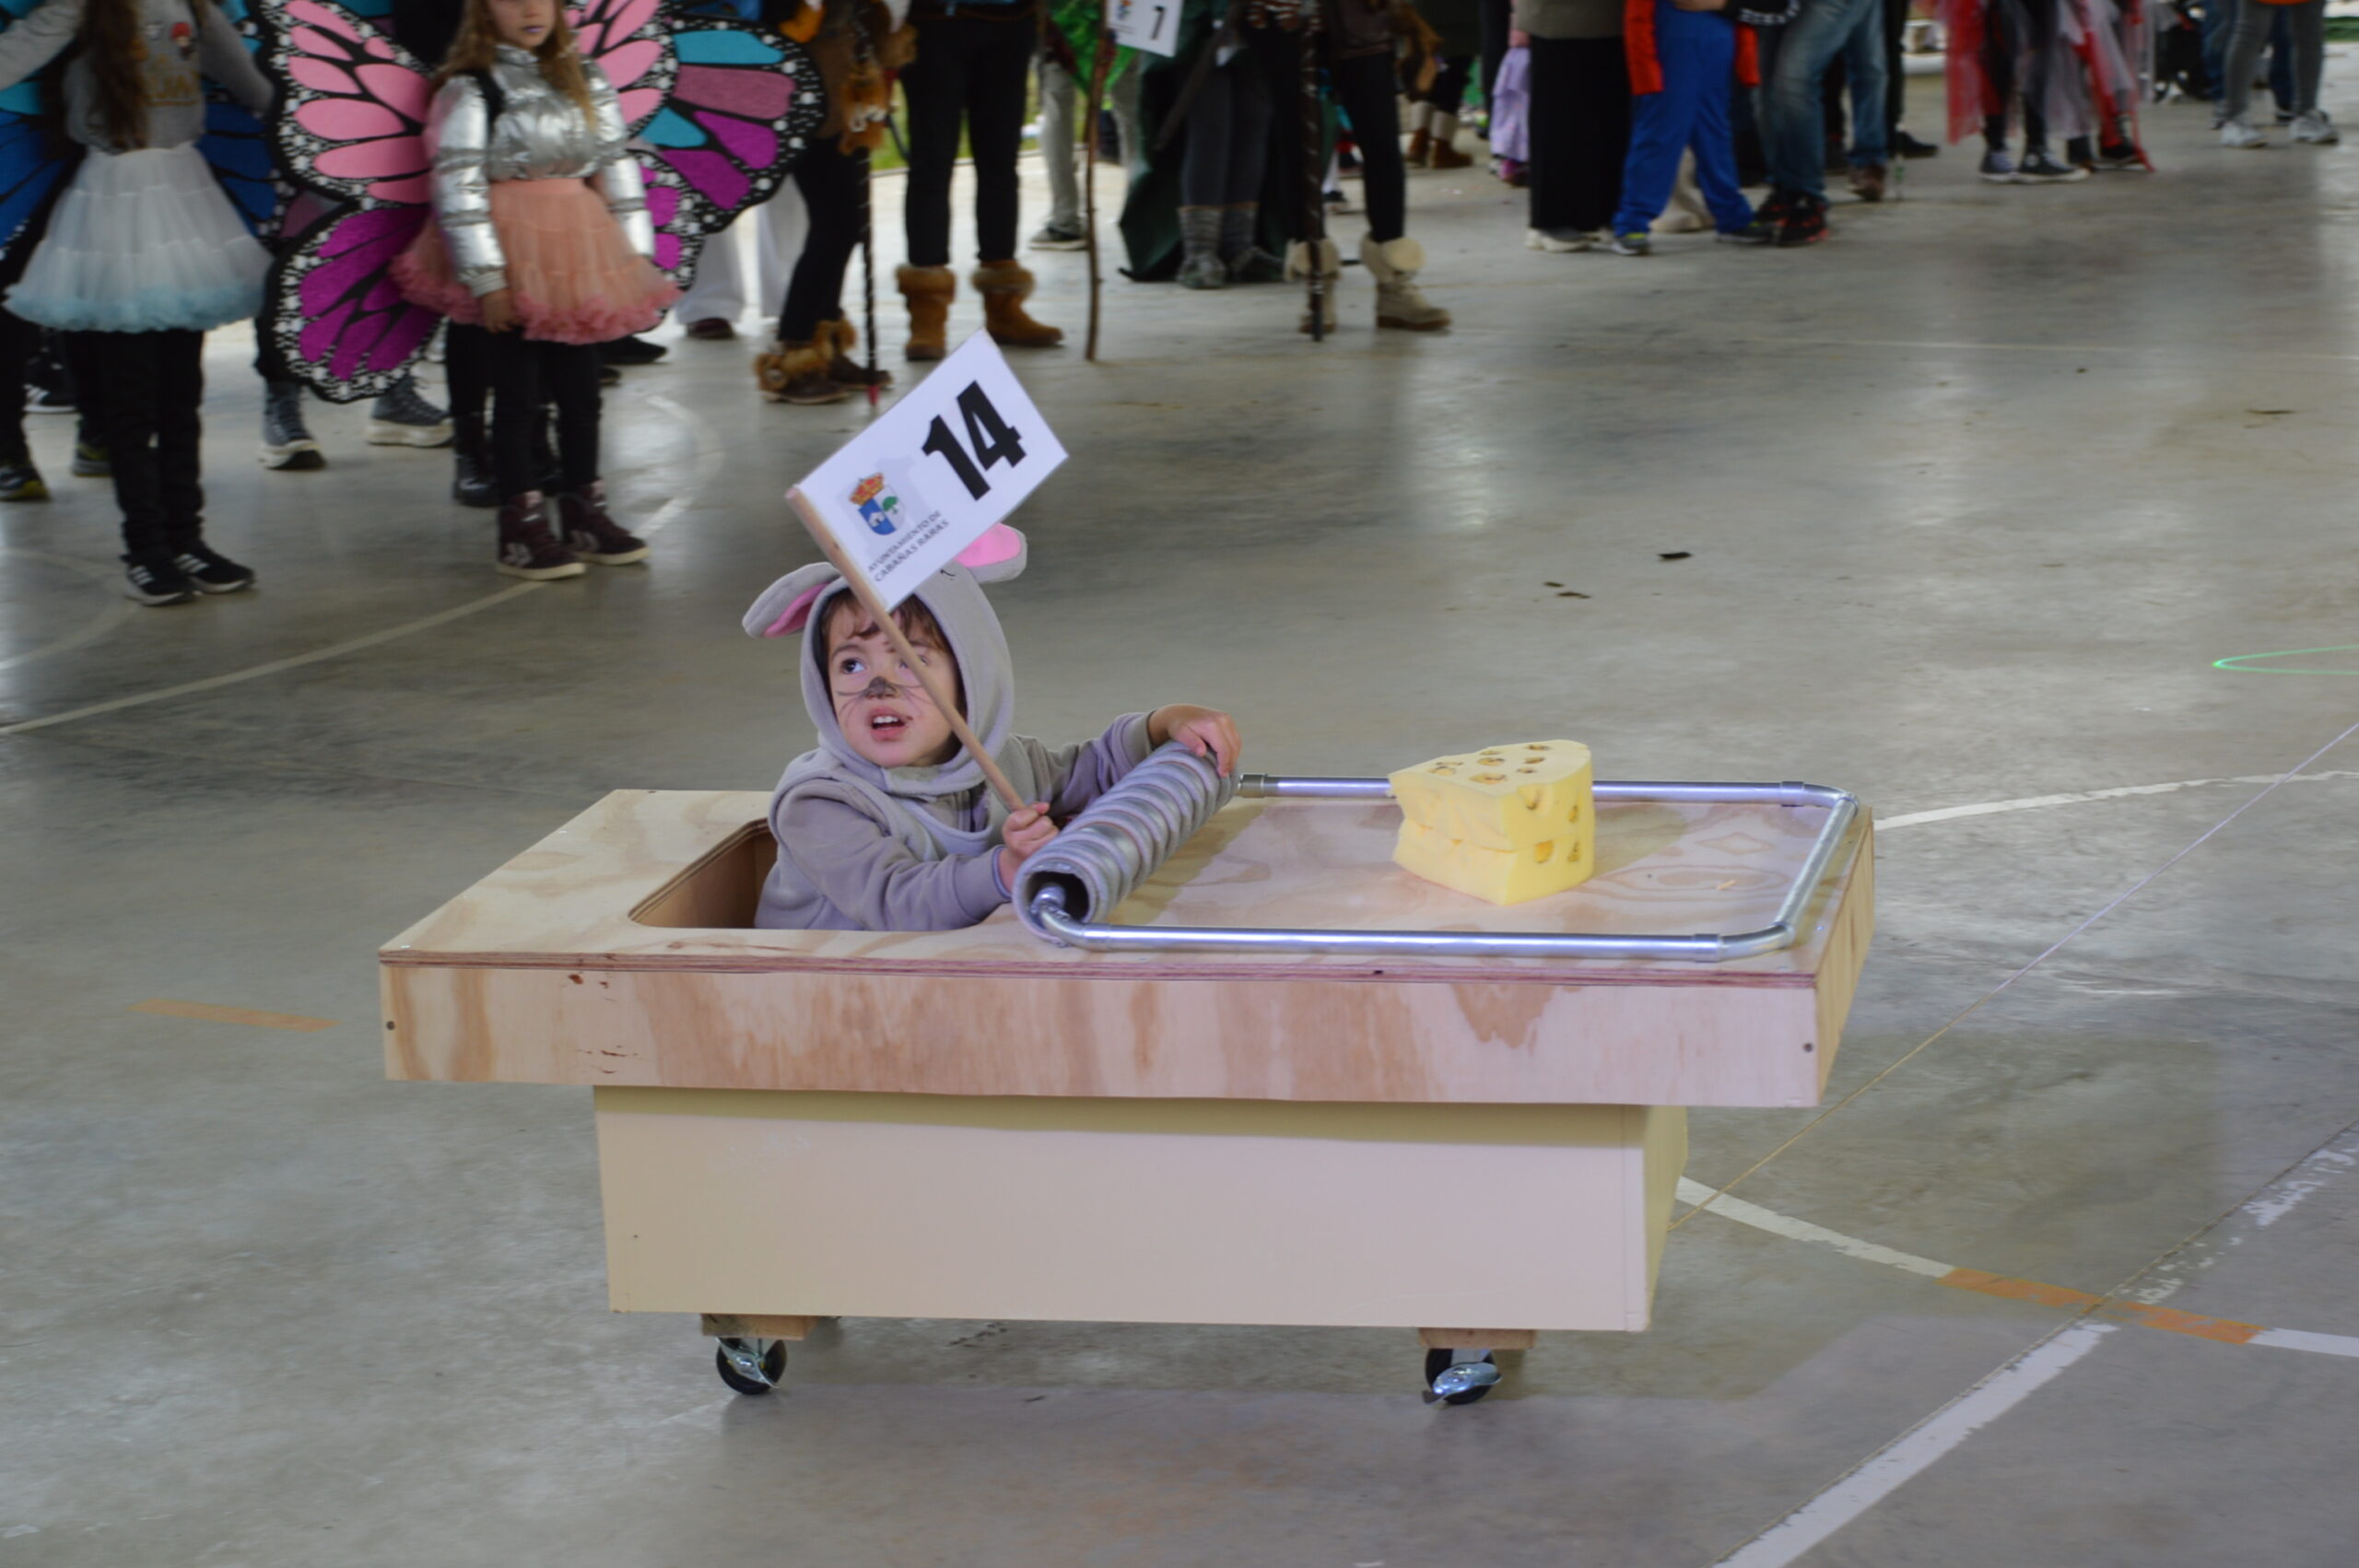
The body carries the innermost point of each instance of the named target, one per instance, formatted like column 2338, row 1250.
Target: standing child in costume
column 1684, row 55
column 889, row 825
column 143, row 256
column 541, row 237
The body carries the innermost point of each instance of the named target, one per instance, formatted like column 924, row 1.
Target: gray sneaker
column 1059, row 237
column 2315, row 129
column 404, row 418
column 284, row 442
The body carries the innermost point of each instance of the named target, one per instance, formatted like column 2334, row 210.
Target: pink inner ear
column 999, row 543
column 797, row 613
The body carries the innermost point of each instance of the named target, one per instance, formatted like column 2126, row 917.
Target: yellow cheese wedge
column 1506, row 824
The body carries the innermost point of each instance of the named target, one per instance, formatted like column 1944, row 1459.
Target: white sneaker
column 1557, row 240
column 2236, row 134
column 2315, row 129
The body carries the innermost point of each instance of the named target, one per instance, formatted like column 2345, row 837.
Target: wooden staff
column 1314, row 179
column 1097, row 69
column 928, row 677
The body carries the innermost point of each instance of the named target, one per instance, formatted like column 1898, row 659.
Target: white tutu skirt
column 143, row 241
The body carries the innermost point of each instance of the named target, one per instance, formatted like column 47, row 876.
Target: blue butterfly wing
column 29, row 165
column 238, row 147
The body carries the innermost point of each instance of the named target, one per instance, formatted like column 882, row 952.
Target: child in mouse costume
column 889, row 825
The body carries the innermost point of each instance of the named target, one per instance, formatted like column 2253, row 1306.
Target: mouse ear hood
column 999, row 555
column 787, row 603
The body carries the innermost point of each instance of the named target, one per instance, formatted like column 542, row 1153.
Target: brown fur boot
column 929, row 291
column 797, row 372
column 1004, row 286
column 839, row 337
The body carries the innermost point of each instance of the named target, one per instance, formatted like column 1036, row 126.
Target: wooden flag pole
column 1089, row 172
column 928, row 677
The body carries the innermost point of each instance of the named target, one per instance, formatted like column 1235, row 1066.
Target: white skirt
column 143, row 241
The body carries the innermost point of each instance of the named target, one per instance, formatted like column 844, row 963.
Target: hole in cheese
column 1490, row 779
column 1540, row 852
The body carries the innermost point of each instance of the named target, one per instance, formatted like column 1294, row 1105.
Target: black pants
column 1498, row 21
column 973, row 72
column 1579, row 130
column 834, row 184
column 1228, row 135
column 1364, row 87
column 1449, row 91
column 142, row 392
column 465, row 369
column 1896, row 82
column 2011, row 30
column 524, row 372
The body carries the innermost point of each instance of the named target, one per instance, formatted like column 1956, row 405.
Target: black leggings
column 1579, row 131
column 1364, row 87
column 973, row 72
column 141, row 391
column 834, row 184
column 1228, row 136
column 465, row 369
column 523, row 371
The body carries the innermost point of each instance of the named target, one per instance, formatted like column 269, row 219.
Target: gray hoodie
column 865, row 847
column 180, row 41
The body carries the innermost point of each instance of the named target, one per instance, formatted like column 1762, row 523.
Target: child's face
column 524, row 23
column 883, row 710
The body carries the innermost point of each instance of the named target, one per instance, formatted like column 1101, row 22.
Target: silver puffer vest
column 541, row 135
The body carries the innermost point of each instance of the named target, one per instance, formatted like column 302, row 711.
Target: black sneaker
column 1908, row 146
column 1773, row 209
column 1753, row 233
column 211, row 571
column 1805, row 224
column 1999, row 168
column 154, row 579
column 403, row 417
column 19, row 480
column 591, row 534
column 2041, row 168
column 631, row 351
column 90, row 461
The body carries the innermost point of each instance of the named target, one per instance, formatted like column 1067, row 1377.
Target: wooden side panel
column 819, row 1205
column 1296, row 1039
column 1847, row 954
column 1661, row 1137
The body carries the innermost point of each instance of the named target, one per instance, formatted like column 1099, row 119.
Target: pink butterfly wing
column 353, row 123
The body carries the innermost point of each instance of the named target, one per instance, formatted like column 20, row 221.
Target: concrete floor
column 1973, row 496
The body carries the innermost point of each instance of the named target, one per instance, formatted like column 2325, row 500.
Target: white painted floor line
column 1695, row 1194
column 334, row 650
column 669, row 512
column 1916, row 1450
column 2316, row 1344
column 2037, row 803
column 118, row 609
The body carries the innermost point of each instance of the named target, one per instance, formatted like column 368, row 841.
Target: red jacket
column 1646, row 65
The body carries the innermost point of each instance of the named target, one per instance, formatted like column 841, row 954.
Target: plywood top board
column 648, row 890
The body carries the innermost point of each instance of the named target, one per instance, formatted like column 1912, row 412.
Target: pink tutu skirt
column 575, row 277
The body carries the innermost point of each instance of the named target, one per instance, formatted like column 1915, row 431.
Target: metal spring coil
column 1099, row 858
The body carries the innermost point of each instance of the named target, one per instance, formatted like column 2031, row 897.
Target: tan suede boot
column 1004, row 286
column 929, row 292
column 1399, row 301
column 797, row 372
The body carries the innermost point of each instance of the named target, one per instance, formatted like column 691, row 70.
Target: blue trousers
column 1793, row 107
column 1697, row 49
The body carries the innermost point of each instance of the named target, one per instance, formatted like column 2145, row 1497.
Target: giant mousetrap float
column 1408, row 1052
column 1224, row 1061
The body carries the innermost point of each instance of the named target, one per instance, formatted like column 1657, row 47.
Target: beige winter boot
column 1445, row 153
column 1399, row 302
column 1004, row 286
column 929, row 292
column 1330, row 263
column 797, row 372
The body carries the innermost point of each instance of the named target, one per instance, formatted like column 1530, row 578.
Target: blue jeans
column 2219, row 22
column 1793, row 116
column 1698, row 51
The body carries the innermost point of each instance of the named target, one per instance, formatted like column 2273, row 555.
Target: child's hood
column 798, row 602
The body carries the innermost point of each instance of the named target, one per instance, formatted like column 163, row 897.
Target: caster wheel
column 1459, row 1382
column 749, row 1365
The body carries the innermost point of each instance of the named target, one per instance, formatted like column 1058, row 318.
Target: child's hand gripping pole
column 928, row 677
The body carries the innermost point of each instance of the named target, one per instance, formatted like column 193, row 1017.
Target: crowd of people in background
column 1622, row 120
